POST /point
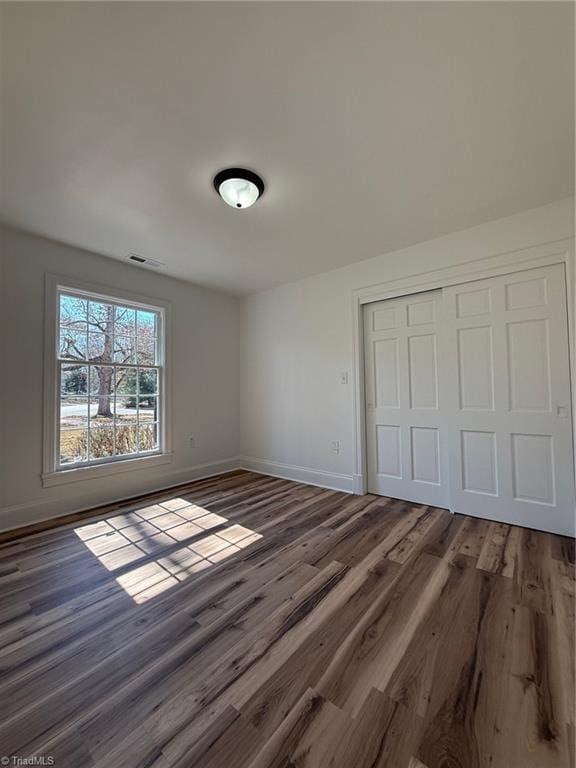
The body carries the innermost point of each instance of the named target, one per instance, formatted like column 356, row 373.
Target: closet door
column 404, row 401
column 506, row 374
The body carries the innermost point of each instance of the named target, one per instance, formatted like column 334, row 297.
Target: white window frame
column 53, row 473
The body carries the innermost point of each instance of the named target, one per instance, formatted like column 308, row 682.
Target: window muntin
column 109, row 380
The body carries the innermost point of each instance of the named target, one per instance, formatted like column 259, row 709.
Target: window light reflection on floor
column 126, row 539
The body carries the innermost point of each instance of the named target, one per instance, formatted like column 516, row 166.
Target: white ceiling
column 375, row 125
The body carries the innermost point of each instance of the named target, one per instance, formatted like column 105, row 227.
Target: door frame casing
column 542, row 255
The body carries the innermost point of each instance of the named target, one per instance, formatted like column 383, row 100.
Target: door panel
column 528, row 365
column 475, row 368
column 423, row 371
column 387, row 386
column 389, row 454
column 406, row 450
column 479, row 462
column 506, row 377
column 425, row 454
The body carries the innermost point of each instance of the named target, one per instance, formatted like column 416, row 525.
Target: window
column 108, row 381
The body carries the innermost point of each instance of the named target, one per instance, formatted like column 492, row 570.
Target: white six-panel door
column 404, row 400
column 507, row 378
column 468, row 399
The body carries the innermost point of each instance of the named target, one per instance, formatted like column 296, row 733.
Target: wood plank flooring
column 249, row 622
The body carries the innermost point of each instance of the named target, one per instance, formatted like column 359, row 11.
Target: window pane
column 126, row 381
column 101, row 411
column 148, row 410
column 73, row 412
column 101, row 394
column 100, row 346
column 124, row 321
column 73, row 446
column 126, row 395
column 73, row 313
column 148, row 437
column 101, row 442
column 124, row 349
column 100, row 317
column 74, row 380
column 126, row 410
column 146, row 351
column 101, row 380
column 147, row 381
column 72, row 344
column 99, row 417
column 126, row 439
column 147, row 323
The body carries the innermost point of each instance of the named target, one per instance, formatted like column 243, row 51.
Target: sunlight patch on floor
column 126, row 539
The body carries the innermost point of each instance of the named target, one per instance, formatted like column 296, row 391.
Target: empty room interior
column 287, row 322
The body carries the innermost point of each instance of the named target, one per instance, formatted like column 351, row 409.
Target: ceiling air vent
column 145, row 261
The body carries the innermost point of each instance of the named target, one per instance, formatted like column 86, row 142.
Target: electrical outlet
column 335, row 446
column 344, row 377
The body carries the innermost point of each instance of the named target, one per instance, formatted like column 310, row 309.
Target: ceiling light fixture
column 238, row 187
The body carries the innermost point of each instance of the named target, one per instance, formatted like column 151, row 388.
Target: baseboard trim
column 39, row 511
column 359, row 482
column 308, row 475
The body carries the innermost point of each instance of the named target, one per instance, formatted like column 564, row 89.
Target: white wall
column 296, row 340
column 204, row 377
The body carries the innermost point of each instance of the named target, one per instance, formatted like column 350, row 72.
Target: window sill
column 65, row 476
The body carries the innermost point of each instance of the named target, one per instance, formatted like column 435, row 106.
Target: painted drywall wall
column 297, row 341
column 204, row 338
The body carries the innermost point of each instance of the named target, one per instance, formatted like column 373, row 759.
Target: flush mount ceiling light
column 238, row 187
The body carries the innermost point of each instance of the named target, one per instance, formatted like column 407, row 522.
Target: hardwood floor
column 251, row 622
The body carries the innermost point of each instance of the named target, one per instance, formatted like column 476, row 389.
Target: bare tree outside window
column 109, row 375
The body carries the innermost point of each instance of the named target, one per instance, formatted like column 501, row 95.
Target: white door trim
column 545, row 254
